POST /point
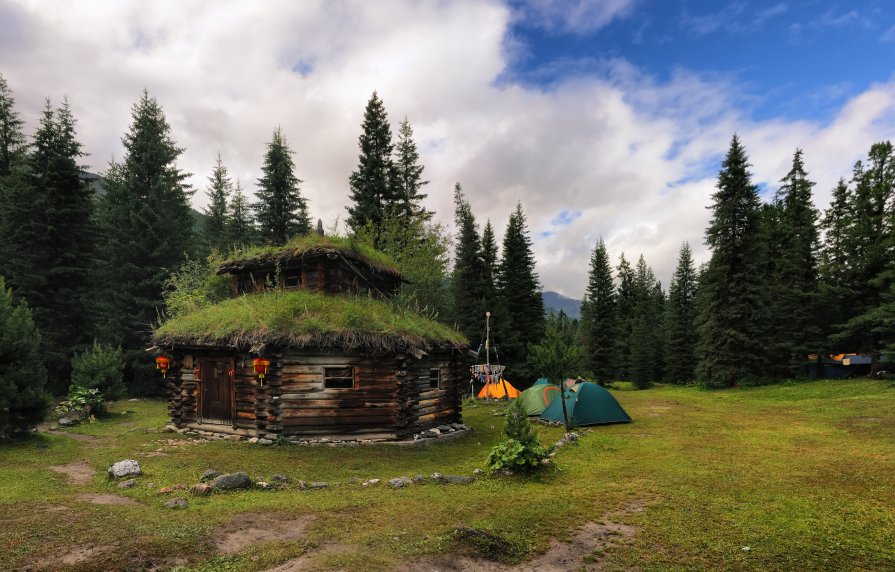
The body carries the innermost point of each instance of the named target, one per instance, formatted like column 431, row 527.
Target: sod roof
column 310, row 246
column 301, row 318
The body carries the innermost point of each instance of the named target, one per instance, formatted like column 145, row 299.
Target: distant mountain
column 554, row 301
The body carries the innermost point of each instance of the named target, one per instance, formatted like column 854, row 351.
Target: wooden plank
column 323, row 422
column 358, row 413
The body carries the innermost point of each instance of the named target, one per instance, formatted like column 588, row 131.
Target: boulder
column 231, row 481
column 126, row 468
column 177, row 503
column 209, row 474
column 399, row 482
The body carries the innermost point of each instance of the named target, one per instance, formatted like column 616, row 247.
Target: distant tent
column 536, row 398
column 587, row 404
column 499, row 389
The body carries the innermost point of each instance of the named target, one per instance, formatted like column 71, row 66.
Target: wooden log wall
column 424, row 406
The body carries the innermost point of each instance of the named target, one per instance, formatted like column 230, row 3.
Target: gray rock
column 265, row 442
column 370, row 483
column 170, row 428
column 436, row 431
column 130, row 483
column 201, row 489
column 445, row 428
column 458, row 426
column 419, row 479
column 458, row 480
column 177, row 503
column 437, row 477
column 231, row 481
column 126, row 468
column 279, row 479
column 262, row 485
column 478, row 472
column 399, row 482
column 317, row 485
column 209, row 475
column 253, row 440
column 430, row 434
column 69, row 420
column 233, row 438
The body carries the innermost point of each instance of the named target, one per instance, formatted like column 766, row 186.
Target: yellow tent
column 496, row 390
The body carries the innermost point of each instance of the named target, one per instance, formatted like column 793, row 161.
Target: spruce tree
column 281, row 210
column 645, row 326
column 835, row 260
column 240, row 225
column 409, row 177
column 51, row 241
column 23, row 402
column 12, row 139
column 731, row 332
column 598, row 316
column 625, row 316
column 469, row 271
column 520, row 320
column 220, row 187
column 145, row 224
column 681, row 335
column 374, row 184
column 489, row 264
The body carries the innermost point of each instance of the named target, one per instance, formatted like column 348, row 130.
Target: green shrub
column 23, row 401
column 100, row 367
column 521, row 452
column 86, row 402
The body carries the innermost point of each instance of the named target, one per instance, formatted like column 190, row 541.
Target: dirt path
column 78, row 472
column 249, row 529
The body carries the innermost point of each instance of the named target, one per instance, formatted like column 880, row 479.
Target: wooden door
column 217, row 390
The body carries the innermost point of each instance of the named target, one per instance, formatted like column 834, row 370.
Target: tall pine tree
column 145, row 225
column 469, row 270
column 520, row 318
column 52, row 240
column 409, row 177
column 489, row 262
column 281, row 210
column 12, row 139
column 374, row 184
column 646, row 330
column 219, row 190
column 681, row 336
column 731, row 331
column 240, row 225
column 598, row 315
column 625, row 316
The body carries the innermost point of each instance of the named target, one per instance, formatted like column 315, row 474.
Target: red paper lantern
column 162, row 364
column 261, row 365
column 196, row 373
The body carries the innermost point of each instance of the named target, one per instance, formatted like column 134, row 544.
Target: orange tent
column 496, row 390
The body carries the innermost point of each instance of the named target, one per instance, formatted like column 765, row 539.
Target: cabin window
column 292, row 279
column 435, row 379
column 338, row 377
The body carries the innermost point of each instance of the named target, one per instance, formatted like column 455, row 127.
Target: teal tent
column 587, row 404
column 536, row 398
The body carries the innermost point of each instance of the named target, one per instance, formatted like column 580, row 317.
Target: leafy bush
column 195, row 285
column 521, row 451
column 23, row 401
column 100, row 367
column 85, row 401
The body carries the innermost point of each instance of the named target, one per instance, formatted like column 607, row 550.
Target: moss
column 302, row 318
column 262, row 256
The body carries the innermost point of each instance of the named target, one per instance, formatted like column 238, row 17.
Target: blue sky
column 603, row 118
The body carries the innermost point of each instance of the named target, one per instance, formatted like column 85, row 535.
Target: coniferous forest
column 88, row 270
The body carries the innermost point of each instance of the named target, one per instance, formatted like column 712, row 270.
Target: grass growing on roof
column 307, row 245
column 302, row 318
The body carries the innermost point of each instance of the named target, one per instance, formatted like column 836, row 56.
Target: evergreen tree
column 23, row 403
column 240, row 226
column 560, row 355
column 51, row 241
column 731, row 331
column 489, row 262
column 281, row 210
column 598, row 316
column 645, row 326
column 681, row 335
column 625, row 315
column 409, row 177
column 12, row 140
column 145, row 224
column 220, row 187
column 374, row 185
column 469, row 271
column 520, row 321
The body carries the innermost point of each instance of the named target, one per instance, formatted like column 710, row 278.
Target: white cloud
column 635, row 156
column 575, row 16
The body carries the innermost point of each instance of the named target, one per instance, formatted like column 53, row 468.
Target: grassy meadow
column 797, row 476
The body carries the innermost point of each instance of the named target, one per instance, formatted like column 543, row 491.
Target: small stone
column 69, row 421
column 458, row 426
column 458, row 480
column 262, row 485
column 177, row 503
column 130, row 483
column 746, row 548
column 324, row 440
column 182, row 431
column 126, row 468
column 478, row 472
column 445, row 428
column 437, row 477
column 170, row 428
column 253, row 440
column 317, row 485
column 419, row 479
column 399, row 482
column 430, row 434
column 546, row 461
column 436, row 431
column 265, row 442
column 229, row 481
column 302, row 485
column 133, row 400
column 233, row 438
column 209, row 474
column 201, row 489
column 279, row 479
column 370, row 483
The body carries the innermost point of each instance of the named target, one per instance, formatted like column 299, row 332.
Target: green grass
column 302, row 317
column 802, row 474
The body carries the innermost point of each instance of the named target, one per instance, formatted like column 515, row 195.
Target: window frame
column 326, row 377
column 439, row 383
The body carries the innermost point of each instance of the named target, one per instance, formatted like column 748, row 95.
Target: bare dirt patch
column 74, row 556
column 107, row 499
column 253, row 528
column 78, row 472
column 584, row 552
column 305, row 561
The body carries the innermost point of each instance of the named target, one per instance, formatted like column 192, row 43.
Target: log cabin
column 344, row 361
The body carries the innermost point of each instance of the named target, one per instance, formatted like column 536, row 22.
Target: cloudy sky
column 604, row 118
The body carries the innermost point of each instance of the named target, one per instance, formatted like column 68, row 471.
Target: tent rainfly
column 536, row 398
column 587, row 404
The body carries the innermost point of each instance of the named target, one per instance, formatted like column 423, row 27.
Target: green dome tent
column 587, row 404
column 536, row 398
